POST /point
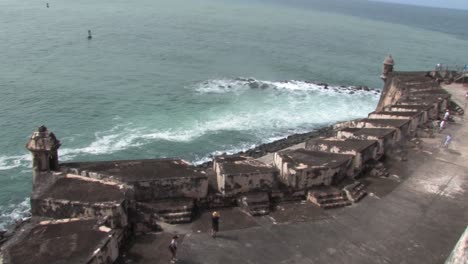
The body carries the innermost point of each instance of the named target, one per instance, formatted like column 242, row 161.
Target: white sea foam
column 13, row 212
column 11, row 162
column 298, row 107
column 105, row 142
column 242, row 84
column 229, row 151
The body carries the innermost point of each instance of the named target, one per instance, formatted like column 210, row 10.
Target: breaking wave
column 286, row 107
column 242, row 84
column 11, row 162
column 13, row 212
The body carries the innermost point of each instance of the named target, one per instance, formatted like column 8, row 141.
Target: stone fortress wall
column 86, row 211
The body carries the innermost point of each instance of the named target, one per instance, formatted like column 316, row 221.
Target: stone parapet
column 362, row 150
column 81, row 197
column 64, row 241
column 302, row 169
column 237, row 175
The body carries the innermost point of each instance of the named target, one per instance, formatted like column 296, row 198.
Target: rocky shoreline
column 291, row 140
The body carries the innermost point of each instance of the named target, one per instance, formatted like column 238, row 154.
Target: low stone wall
column 298, row 175
column 243, row 175
column 114, row 213
column 191, row 187
column 64, row 241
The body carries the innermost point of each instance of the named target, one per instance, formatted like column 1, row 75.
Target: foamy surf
column 15, row 161
column 286, row 107
column 13, row 212
column 243, row 84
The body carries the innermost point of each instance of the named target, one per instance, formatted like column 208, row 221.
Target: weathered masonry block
column 385, row 136
column 362, row 150
column 151, row 179
column 172, row 211
column 415, row 118
column 237, row 175
column 429, row 111
column 440, row 95
column 76, row 196
column 434, row 102
column 402, row 126
column 65, row 241
column 302, row 169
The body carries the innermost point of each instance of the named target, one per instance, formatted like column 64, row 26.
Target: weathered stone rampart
column 94, row 206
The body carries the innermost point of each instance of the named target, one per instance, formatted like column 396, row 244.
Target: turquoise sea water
column 167, row 78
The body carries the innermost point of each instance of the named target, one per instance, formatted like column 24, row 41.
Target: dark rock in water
column 253, row 85
column 365, row 88
column 240, row 79
column 358, row 88
column 351, row 92
column 251, row 80
column 342, row 86
column 264, row 86
column 325, row 87
column 221, row 86
column 323, row 84
column 272, row 147
column 229, row 86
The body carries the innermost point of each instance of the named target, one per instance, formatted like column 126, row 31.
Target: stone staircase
column 455, row 108
column 218, row 200
column 255, row 204
column 286, row 196
column 168, row 211
column 328, row 198
column 355, row 191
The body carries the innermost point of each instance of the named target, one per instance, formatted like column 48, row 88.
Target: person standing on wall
column 214, row 223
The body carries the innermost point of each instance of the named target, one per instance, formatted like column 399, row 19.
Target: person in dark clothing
column 173, row 248
column 214, row 224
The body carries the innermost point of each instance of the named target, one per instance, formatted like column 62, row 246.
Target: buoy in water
column 89, row 34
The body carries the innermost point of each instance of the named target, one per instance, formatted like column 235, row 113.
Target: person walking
column 173, row 248
column 446, row 115
column 448, row 139
column 214, row 223
column 442, row 125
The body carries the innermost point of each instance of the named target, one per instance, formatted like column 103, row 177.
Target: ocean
column 195, row 78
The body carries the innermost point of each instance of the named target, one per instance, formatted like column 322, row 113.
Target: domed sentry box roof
column 389, row 60
column 43, row 140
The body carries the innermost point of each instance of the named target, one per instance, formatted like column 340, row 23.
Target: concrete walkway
column 416, row 215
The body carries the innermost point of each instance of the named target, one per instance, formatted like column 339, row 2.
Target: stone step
column 328, row 198
column 259, row 211
column 175, row 220
column 335, row 205
column 255, row 204
column 287, row 196
column 169, row 211
column 355, row 191
column 219, row 201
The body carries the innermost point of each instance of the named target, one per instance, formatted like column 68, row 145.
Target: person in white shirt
column 448, row 139
column 446, row 115
column 173, row 248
